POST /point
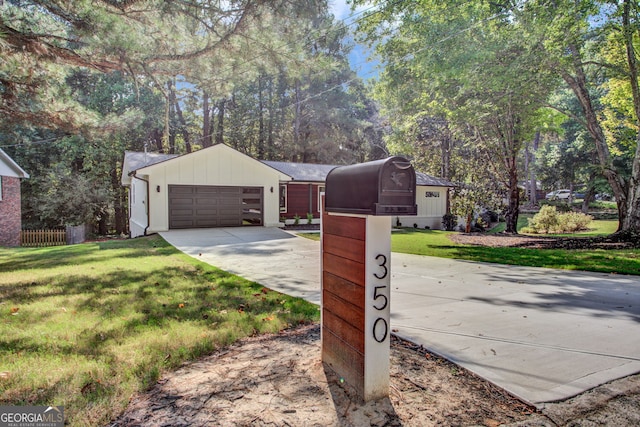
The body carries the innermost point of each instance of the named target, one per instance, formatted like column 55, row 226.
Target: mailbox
column 381, row 187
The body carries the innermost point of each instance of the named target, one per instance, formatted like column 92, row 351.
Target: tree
column 470, row 63
column 585, row 41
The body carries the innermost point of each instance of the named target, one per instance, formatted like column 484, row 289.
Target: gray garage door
column 203, row 206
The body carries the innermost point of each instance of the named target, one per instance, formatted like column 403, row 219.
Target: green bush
column 550, row 221
column 449, row 221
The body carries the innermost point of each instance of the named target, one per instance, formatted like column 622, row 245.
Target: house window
column 321, row 190
column 283, row 198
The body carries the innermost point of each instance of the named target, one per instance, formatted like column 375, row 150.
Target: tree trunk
column 183, row 125
column 532, row 170
column 513, row 204
column 207, row 139
column 260, row 120
column 119, row 203
column 220, row 127
column 631, row 220
column 296, row 121
column 171, row 119
column 578, row 85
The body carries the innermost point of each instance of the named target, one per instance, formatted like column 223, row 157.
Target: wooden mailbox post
column 360, row 202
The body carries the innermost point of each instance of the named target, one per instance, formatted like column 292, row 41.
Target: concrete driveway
column 543, row 335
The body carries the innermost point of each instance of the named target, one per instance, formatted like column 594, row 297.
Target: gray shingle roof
column 305, row 172
column 136, row 160
column 308, row 172
column 424, row 179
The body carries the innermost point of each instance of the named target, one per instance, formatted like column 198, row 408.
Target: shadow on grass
column 78, row 255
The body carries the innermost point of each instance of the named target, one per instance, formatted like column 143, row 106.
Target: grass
column 436, row 243
column 597, row 228
column 87, row 326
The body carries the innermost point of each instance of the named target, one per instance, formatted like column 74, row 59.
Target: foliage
column 550, row 221
column 80, row 84
column 449, row 221
column 106, row 320
column 469, row 201
column 466, row 63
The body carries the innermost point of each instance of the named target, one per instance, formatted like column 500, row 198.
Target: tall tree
column 468, row 62
column 583, row 42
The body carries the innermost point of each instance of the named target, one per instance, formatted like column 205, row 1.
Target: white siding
column 217, row 165
column 138, row 207
column 430, row 209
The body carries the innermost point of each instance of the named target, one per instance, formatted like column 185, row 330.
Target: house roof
column 432, row 181
column 134, row 160
column 139, row 160
column 10, row 168
column 308, row 172
column 302, row 172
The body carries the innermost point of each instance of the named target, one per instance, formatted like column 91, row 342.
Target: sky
column 358, row 56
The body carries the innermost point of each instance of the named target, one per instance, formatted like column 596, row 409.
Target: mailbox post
column 356, row 247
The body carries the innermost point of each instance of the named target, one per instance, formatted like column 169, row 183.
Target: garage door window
column 251, row 206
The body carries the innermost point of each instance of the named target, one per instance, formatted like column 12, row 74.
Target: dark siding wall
column 301, row 199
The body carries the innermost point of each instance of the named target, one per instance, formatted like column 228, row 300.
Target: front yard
column 87, row 326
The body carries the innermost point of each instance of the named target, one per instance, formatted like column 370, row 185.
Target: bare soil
column 280, row 380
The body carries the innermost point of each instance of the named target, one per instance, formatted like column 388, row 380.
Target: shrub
column 544, row 221
column 549, row 220
column 309, row 218
column 449, row 221
column 575, row 221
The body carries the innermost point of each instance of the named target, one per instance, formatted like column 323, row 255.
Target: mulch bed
column 545, row 242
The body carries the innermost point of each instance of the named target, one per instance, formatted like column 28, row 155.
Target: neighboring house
column 219, row 186
column 10, row 211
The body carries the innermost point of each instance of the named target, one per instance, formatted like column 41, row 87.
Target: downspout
column 133, row 175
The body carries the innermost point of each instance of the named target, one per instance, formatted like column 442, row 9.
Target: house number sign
column 377, row 305
column 381, row 300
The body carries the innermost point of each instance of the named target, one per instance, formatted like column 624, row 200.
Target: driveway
column 543, row 335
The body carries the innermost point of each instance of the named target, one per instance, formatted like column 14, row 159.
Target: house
column 301, row 196
column 10, row 211
column 218, row 186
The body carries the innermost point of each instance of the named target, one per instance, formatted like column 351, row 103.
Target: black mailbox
column 381, row 187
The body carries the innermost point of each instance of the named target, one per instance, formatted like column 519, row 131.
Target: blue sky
column 358, row 57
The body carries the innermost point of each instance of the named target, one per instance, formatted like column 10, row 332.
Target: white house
column 218, row 186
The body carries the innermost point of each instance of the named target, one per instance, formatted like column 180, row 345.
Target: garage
column 206, row 206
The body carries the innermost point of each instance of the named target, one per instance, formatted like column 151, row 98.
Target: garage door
column 204, row 206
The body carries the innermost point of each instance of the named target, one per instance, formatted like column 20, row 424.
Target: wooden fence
column 40, row 238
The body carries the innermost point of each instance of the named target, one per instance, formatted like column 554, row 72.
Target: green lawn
column 436, row 243
column 86, row 326
column 597, row 228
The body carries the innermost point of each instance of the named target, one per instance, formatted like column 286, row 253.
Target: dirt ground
column 279, row 380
